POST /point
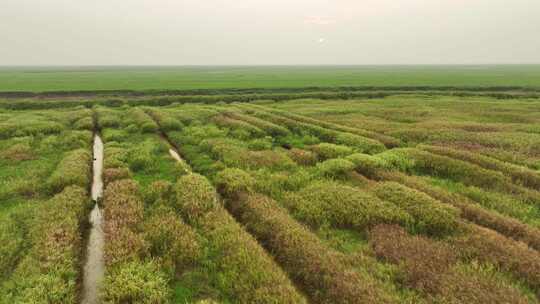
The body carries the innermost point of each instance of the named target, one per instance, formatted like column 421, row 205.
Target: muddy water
column 175, row 155
column 94, row 268
column 97, row 184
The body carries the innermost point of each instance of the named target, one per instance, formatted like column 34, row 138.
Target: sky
column 268, row 32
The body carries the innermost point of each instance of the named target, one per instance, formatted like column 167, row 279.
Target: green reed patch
column 430, row 216
column 342, row 206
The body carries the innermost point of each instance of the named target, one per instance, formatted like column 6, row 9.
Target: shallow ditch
column 94, row 267
column 175, row 155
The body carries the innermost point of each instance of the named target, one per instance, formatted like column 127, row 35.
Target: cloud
column 318, row 20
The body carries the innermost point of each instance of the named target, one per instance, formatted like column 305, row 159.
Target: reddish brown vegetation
column 515, row 257
column 112, row 174
column 302, row 157
column 321, row 271
column 123, row 214
column 17, row 153
column 432, row 267
column 424, row 261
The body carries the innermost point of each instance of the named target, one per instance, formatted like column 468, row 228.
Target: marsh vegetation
column 414, row 198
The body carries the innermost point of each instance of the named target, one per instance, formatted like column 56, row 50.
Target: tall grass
column 388, row 141
column 424, row 162
column 321, row 272
column 129, row 277
column 362, row 144
column 519, row 174
column 50, row 271
column 471, row 211
column 515, row 257
column 243, row 270
column 323, row 203
column 431, row 216
column 378, row 169
column 74, row 169
column 433, row 268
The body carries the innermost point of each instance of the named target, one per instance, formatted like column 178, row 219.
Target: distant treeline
column 147, row 99
column 232, row 91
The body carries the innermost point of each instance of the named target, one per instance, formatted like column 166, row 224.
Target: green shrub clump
column 342, row 206
column 170, row 239
column 241, row 268
column 145, row 123
column 166, row 121
column 430, row 216
column 335, row 167
column 13, row 230
column 234, row 181
column 260, row 144
column 74, row 169
column 366, row 164
column 418, row 161
column 115, row 157
column 119, row 135
column 328, row 151
column 136, row 282
column 86, row 123
column 159, row 193
column 398, row 159
column 195, row 196
column 360, row 143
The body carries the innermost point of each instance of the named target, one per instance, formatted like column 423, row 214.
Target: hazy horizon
column 270, row 65
column 269, row 33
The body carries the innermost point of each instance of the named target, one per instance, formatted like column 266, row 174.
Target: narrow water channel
column 94, row 268
column 175, row 155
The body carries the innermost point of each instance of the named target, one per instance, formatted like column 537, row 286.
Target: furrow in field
column 376, row 168
column 426, row 163
column 433, row 218
column 358, row 142
column 224, row 262
column 470, row 210
column 519, row 175
column 388, row 141
column 325, row 275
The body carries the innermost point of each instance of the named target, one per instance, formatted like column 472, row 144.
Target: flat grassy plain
column 407, row 198
column 34, row 79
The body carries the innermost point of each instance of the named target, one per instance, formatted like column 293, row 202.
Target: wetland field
column 406, row 187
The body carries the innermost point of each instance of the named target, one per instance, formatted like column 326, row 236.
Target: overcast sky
column 208, row 32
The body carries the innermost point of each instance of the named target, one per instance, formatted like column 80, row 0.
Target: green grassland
column 408, row 198
column 185, row 78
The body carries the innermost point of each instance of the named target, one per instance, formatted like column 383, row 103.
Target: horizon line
column 263, row 65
